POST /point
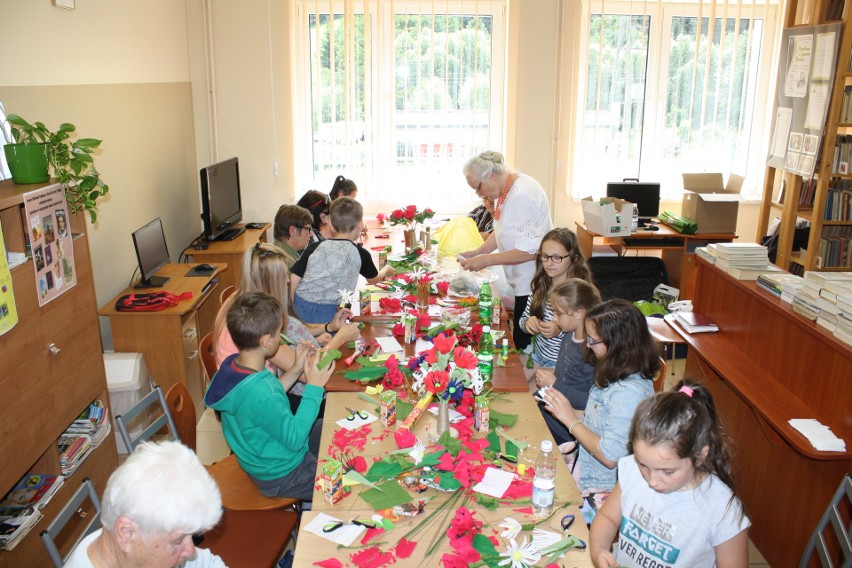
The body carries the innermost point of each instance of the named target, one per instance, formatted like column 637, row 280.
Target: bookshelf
column 45, row 390
column 825, row 201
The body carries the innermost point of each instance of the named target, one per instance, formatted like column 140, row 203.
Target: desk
column 678, row 250
column 765, row 365
column 169, row 339
column 230, row 253
column 529, row 427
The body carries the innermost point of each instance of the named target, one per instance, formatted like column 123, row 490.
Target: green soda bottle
column 485, row 304
column 486, row 354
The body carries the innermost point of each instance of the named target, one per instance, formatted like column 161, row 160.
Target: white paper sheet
column 345, row 535
column 495, row 482
column 389, row 345
column 357, row 421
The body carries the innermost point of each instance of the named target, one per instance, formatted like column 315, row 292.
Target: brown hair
column 629, row 345
column 577, row 294
column 342, row 188
column 542, row 283
column 317, row 203
column 290, row 216
column 253, row 315
column 345, row 214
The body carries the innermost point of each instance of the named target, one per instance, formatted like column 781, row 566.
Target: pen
column 209, row 285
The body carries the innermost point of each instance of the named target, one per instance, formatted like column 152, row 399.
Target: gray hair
column 162, row 487
column 485, row 164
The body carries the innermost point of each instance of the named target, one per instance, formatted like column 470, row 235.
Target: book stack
column 708, row 253
column 21, row 508
column 781, row 284
column 83, row 436
column 806, row 299
column 831, row 284
column 843, row 324
column 695, row 323
column 744, row 261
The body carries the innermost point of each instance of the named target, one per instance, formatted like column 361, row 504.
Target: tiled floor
column 755, row 558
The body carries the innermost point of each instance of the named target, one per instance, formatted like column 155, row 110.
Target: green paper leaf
column 483, row 545
column 364, row 396
column 355, row 477
column 368, row 362
column 487, row 501
column 494, row 444
column 431, row 458
column 403, row 409
column 447, row 481
column 387, row 524
column 452, row 445
column 518, row 443
column 365, row 374
column 502, row 419
column 511, row 450
column 382, row 470
column 389, row 494
column 351, row 345
column 330, row 355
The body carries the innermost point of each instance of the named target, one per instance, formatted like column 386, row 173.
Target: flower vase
column 443, row 417
column 422, row 303
column 410, row 239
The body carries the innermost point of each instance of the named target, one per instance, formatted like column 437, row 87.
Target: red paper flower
column 410, row 212
column 430, row 357
column 392, row 304
column 423, row 321
column 398, row 329
column 444, row 342
column 464, row 358
column 443, row 288
column 404, row 438
column 381, row 218
column 404, row 548
column 436, row 381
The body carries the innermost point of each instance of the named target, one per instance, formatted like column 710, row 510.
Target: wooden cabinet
column 823, row 231
column 170, row 339
column 52, row 369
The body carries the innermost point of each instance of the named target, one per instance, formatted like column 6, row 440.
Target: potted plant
column 71, row 161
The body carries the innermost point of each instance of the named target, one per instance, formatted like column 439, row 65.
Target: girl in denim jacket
column 627, row 362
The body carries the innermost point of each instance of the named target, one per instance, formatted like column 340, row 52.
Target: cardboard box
column 610, row 217
column 710, row 203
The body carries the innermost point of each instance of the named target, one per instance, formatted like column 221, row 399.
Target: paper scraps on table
column 357, row 421
column 495, row 482
column 422, row 345
column 455, row 416
column 390, row 495
column 819, row 435
column 389, row 345
column 542, row 538
column 345, row 535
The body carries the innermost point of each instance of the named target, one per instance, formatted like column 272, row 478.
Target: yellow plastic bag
column 458, row 235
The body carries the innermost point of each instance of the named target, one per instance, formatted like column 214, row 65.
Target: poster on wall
column 49, row 228
column 8, row 311
column 805, row 72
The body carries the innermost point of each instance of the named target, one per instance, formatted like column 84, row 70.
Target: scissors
column 333, row 526
column 362, row 414
column 566, row 523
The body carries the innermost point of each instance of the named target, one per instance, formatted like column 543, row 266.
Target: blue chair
column 834, row 549
column 74, row 507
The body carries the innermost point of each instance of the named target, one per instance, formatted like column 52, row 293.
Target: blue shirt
column 609, row 413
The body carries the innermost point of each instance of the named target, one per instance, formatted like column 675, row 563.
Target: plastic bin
column 128, row 382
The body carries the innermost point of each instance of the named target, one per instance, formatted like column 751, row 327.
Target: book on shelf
column 695, row 323
column 15, row 523
column 34, row 490
column 82, row 437
column 741, row 273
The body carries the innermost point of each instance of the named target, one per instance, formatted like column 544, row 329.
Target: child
column 558, row 259
column 575, row 368
column 332, row 265
column 343, row 188
column 627, row 361
column 675, row 490
column 317, row 203
column 275, row 448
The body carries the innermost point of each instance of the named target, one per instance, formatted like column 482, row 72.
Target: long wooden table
column 529, row 427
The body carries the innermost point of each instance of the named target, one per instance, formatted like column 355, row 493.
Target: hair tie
column 686, row 390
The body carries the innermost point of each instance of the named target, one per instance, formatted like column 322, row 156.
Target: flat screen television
column 645, row 195
column 151, row 253
column 221, row 207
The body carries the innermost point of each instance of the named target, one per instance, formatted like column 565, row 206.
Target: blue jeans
column 311, row 312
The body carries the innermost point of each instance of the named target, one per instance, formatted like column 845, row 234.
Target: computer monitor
column 221, row 206
column 151, row 253
column 645, row 195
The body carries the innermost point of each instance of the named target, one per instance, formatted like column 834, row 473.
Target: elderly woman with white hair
column 153, row 504
column 521, row 218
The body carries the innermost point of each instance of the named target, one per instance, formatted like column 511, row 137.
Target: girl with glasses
column 318, row 204
column 558, row 259
column 627, row 362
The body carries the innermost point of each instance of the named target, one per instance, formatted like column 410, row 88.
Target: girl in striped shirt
column 559, row 258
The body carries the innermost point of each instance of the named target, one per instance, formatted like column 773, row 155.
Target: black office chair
column 632, row 278
column 73, row 507
column 834, row 548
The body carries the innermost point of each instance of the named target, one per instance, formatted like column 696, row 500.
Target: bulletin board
column 806, row 71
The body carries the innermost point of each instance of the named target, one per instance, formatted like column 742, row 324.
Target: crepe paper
column 558, row 549
column 377, row 389
column 404, row 548
column 518, row 489
column 382, row 436
column 520, row 444
column 365, row 374
column 403, row 409
column 358, row 463
column 343, row 440
column 389, row 494
column 371, row 534
column 511, row 451
column 452, row 445
column 371, row 558
column 501, row 419
column 404, row 438
column 431, row 458
column 379, row 358
column 354, row 478
column 494, row 444
column 524, row 510
column 489, row 503
column 447, row 482
column 366, row 398
column 484, row 546
column 330, row 355
column 329, row 563
column 383, row 470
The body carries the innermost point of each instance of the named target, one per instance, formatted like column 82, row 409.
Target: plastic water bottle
column 634, row 224
column 544, row 482
column 486, row 354
column 485, row 305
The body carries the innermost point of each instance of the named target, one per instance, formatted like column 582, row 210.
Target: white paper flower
column 512, row 526
column 347, row 297
column 520, row 556
column 418, row 377
column 477, row 383
column 417, row 274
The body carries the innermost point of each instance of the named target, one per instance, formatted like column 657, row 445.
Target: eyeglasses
column 554, row 257
column 362, row 414
column 368, row 523
column 591, row 342
column 305, row 228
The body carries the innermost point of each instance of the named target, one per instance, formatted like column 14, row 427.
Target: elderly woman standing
column 521, row 218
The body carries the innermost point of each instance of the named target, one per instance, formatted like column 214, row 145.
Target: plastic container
column 128, row 382
column 485, row 356
column 544, row 483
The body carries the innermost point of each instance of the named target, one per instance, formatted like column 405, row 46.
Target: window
column 673, row 87
column 394, row 95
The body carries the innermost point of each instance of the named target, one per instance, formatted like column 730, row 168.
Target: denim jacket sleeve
column 622, row 399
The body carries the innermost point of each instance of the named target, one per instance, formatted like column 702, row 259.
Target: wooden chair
column 226, row 293
column 834, row 549
column 668, row 338
column 660, row 379
column 74, row 507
